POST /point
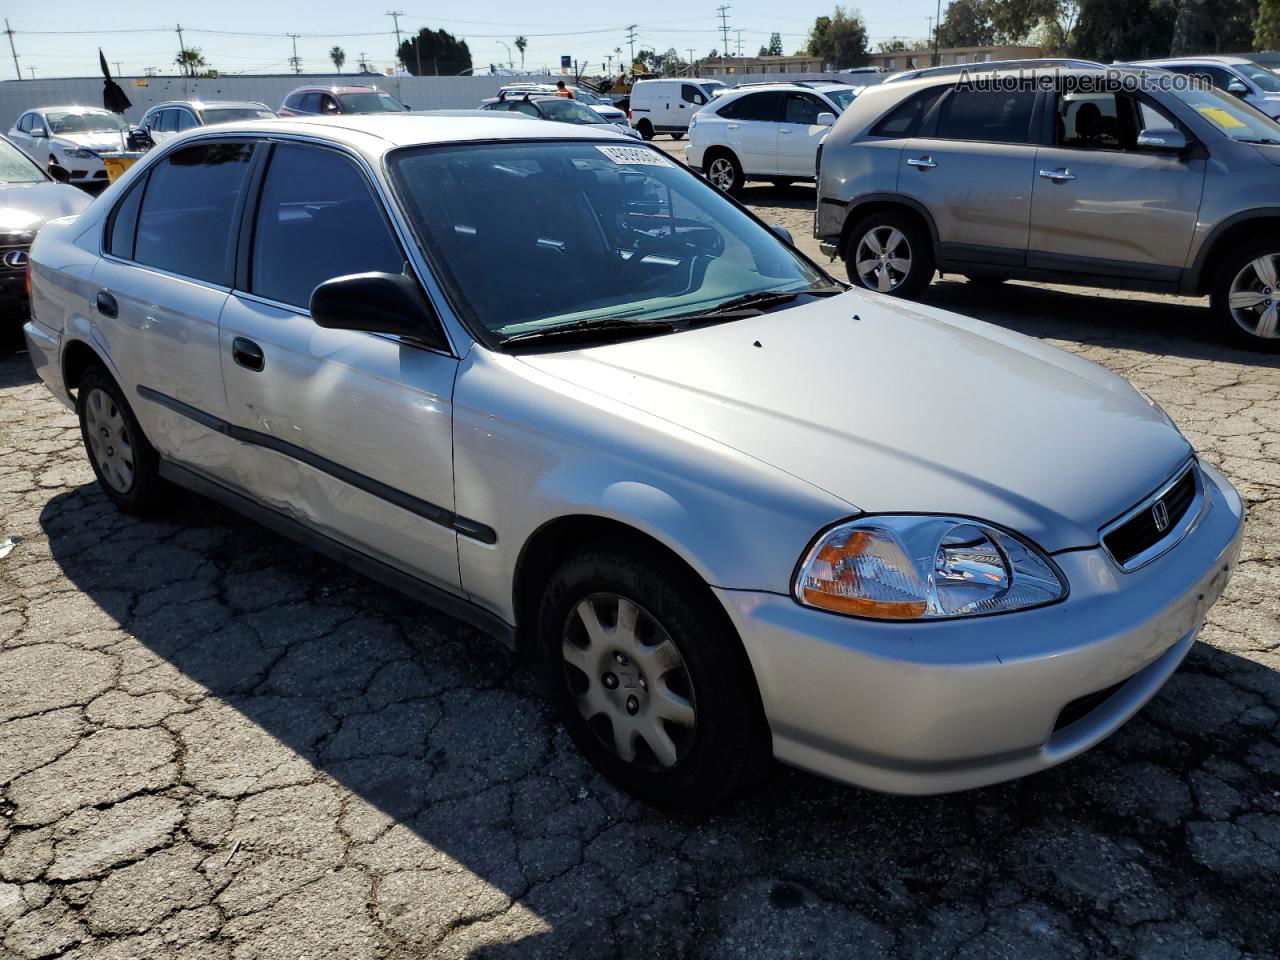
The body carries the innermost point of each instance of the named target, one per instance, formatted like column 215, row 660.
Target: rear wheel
column 782, row 182
column 890, row 252
column 677, row 136
column 724, row 172
column 126, row 465
column 645, row 129
column 1245, row 297
column 650, row 680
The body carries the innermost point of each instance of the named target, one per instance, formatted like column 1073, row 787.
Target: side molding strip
column 422, row 508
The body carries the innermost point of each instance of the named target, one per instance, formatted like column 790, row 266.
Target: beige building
column 737, row 66
column 915, row 59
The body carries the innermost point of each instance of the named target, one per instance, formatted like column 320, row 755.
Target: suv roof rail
column 992, row 65
column 773, row 83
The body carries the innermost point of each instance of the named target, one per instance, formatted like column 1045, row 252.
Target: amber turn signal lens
column 844, row 571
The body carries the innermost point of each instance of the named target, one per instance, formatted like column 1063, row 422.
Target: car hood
column 26, row 207
column 105, row 140
column 896, row 407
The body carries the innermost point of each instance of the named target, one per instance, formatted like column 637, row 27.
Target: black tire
column 728, row 747
column 1234, row 265
column 781, row 183
column 97, row 397
column 677, row 136
column 908, row 284
column 645, row 129
column 728, row 178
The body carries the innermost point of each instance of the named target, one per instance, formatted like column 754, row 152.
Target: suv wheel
column 126, row 465
column 889, row 252
column 677, row 135
column 724, row 172
column 645, row 129
column 1246, row 296
column 649, row 679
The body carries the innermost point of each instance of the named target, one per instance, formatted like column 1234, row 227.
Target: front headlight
column 924, row 568
column 79, row 153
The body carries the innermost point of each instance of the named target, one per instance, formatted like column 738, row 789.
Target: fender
column 863, row 199
column 1193, row 278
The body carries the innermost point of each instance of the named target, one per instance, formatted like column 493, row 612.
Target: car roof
column 71, row 108
column 992, row 66
column 1191, row 60
column 211, row 104
column 337, row 88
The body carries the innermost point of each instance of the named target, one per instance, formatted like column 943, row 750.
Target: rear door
column 799, row 134
column 972, row 166
column 1103, row 206
column 162, row 282
column 751, row 131
column 349, row 432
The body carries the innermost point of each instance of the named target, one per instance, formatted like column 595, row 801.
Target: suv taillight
column 817, row 163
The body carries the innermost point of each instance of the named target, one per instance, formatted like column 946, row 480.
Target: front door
column 752, row 131
column 799, row 134
column 1104, row 206
column 971, row 166
column 348, row 432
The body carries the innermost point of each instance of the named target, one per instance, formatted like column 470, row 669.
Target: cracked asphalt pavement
column 215, row 744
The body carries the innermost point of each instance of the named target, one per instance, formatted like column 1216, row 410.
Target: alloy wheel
column 629, row 681
column 109, row 441
column 1254, row 299
column 882, row 258
column 721, row 174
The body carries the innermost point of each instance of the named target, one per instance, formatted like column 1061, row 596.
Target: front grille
column 1140, row 532
column 1081, row 707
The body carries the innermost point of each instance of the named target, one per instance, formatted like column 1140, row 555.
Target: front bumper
column 926, row 708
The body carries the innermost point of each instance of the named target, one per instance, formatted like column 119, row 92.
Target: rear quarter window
column 905, row 119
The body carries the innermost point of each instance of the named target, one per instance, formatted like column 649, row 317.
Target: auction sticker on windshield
column 636, row 155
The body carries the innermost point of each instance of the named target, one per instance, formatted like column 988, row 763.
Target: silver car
column 557, row 384
column 1109, row 177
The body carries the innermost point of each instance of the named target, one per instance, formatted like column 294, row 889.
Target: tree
column 190, row 62
column 522, row 44
column 1124, row 29
column 775, row 45
column 435, row 53
column 896, row 45
column 1266, row 29
column 967, row 23
column 338, row 56
column 764, row 52
column 840, row 39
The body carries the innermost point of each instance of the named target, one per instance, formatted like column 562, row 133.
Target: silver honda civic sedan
column 556, row 384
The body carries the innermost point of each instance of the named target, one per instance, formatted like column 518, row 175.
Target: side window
column 293, row 101
column 124, row 223
column 1090, row 121
column 987, row 116
column 691, row 94
column 185, row 225
column 801, row 109
column 310, row 103
column 168, row 121
column 755, row 106
column 24, row 123
column 317, row 220
column 526, row 108
column 905, row 119
column 186, row 120
column 328, row 104
column 1156, row 120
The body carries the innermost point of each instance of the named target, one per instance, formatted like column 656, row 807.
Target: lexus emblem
column 1160, row 514
column 15, row 259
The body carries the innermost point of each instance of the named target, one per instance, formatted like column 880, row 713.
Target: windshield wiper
column 594, row 329
column 1263, row 140
column 752, row 303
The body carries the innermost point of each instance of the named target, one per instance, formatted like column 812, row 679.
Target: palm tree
column 338, row 56
column 521, row 43
column 190, row 61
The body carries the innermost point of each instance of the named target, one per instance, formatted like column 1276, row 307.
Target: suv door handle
column 248, row 354
column 784, row 129
column 921, row 163
column 106, row 304
column 1058, row 176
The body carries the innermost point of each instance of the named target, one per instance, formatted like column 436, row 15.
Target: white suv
column 764, row 132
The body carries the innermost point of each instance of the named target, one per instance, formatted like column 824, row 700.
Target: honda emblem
column 1160, row 514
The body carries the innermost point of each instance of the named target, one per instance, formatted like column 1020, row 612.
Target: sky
column 243, row 36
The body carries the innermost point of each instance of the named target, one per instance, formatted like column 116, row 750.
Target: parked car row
column 704, row 482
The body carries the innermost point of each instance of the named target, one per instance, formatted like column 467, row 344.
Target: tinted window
column 802, row 109
column 186, row 221
column 988, row 116
column 124, row 223
column 186, row 121
column 524, row 107
column 904, row 120
column 692, row 94
column 310, row 103
column 328, row 104
column 1093, row 121
column 293, row 100
column 754, row 106
column 317, row 220
column 24, row 124
column 168, row 122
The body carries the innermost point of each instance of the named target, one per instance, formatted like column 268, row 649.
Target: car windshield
column 1232, row 116
column 583, row 97
column 1262, row 78
column 369, row 103
column 233, row 114
column 533, row 236
column 840, row 96
column 15, row 167
column 88, row 121
column 569, row 111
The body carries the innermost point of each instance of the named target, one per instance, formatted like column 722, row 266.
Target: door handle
column 786, row 130
column 921, row 163
column 733, row 126
column 248, row 354
column 1058, row 176
column 106, row 304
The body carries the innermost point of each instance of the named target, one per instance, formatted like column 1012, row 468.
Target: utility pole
column 32, row 71
column 739, row 32
column 631, row 39
column 118, row 70
column 692, row 62
column 937, row 22
column 295, row 61
column 182, row 47
column 364, row 64
column 395, row 16
column 9, row 30
column 724, row 32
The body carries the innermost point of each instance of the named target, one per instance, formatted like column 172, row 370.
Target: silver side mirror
column 826, row 119
column 1237, row 88
column 38, row 132
column 1164, row 141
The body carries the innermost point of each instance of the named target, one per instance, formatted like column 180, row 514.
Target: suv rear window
column 904, row 120
column 998, row 116
column 754, row 106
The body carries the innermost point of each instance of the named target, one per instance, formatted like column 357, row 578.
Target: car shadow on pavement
column 16, row 369
column 336, row 740
column 1165, row 326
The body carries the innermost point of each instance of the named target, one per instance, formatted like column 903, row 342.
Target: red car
column 330, row 101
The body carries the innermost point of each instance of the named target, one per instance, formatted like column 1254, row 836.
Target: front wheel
column 890, row 252
column 1245, row 297
column 724, row 172
column 645, row 128
column 677, row 136
column 126, row 465
column 650, row 680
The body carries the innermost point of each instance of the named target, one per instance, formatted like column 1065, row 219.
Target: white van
column 665, row 106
